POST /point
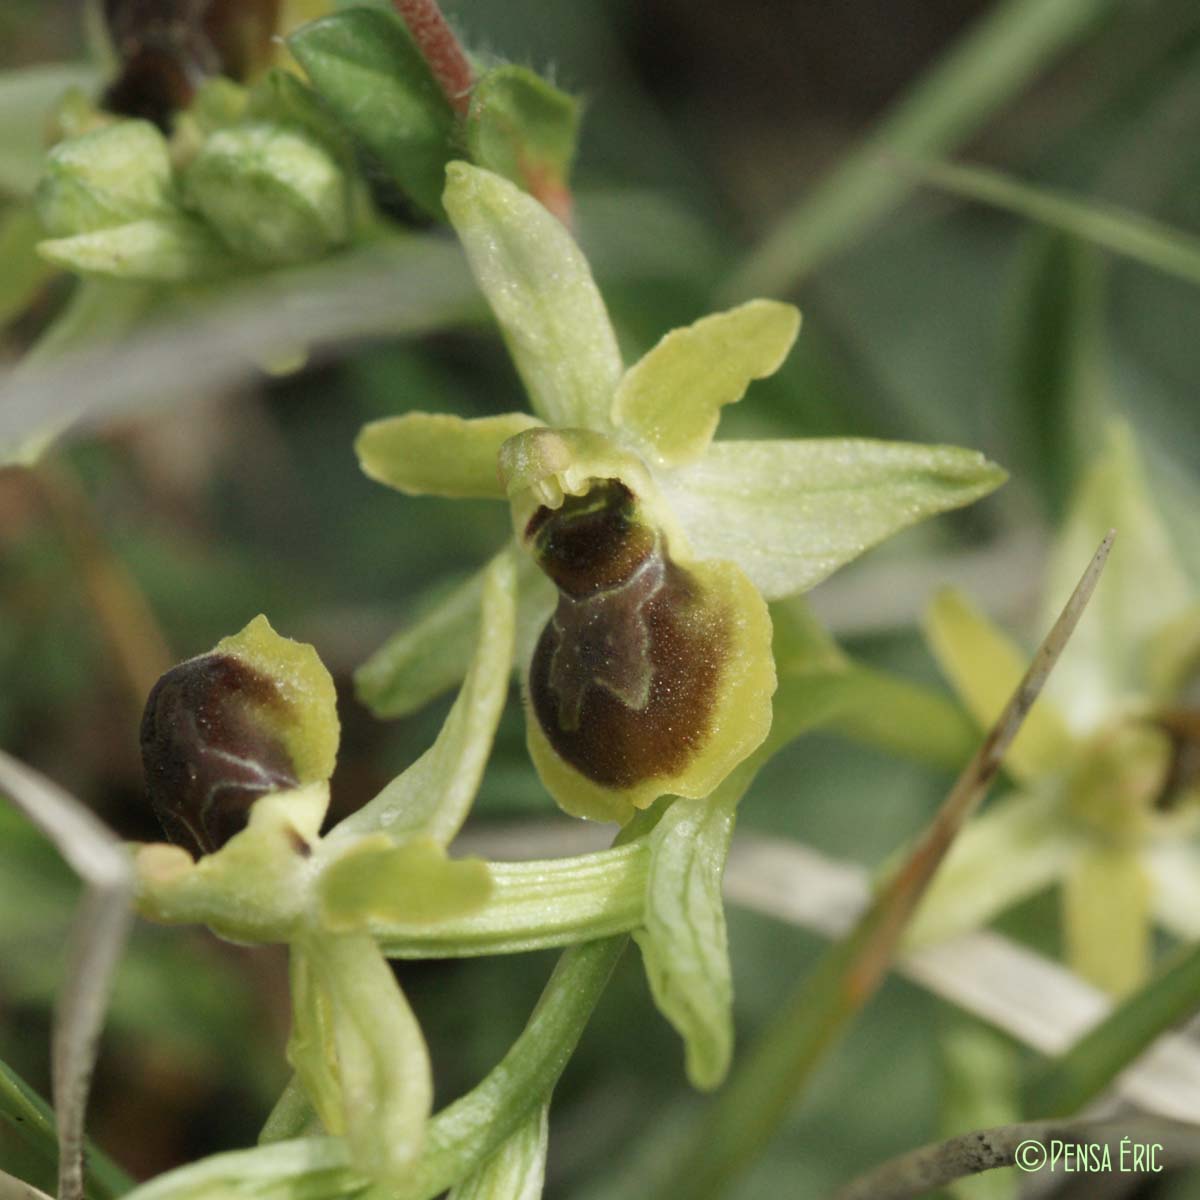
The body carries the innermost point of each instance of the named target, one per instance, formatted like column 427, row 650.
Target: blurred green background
column 705, row 122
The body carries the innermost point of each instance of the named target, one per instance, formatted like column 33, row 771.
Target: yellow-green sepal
column 670, row 401
column 436, row 454
column 541, row 290
column 790, row 513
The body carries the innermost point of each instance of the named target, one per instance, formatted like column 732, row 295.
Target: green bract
column 657, row 539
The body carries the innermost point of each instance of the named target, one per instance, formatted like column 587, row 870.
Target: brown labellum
column 207, row 751
column 168, row 48
column 624, row 677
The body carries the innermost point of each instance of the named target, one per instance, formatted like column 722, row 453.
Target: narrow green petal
column 434, row 454
column 670, row 400
column 789, row 513
column 414, row 883
column 382, row 1064
column 432, row 654
column 517, row 1170
column 435, row 794
column 984, row 666
column 684, row 945
column 1143, row 589
column 1106, row 918
column 541, row 289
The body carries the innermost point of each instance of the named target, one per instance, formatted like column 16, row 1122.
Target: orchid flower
column 1107, row 768
column 651, row 673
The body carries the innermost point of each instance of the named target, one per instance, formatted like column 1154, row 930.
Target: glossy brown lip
column 623, row 680
column 205, row 752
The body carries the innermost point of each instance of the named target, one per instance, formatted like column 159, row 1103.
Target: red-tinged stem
column 441, row 49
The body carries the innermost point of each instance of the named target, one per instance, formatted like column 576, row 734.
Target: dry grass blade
column 918, row 1172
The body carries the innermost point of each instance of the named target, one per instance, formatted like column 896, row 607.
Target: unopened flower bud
column 273, row 194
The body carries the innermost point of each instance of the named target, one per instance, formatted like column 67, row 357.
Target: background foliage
column 941, row 322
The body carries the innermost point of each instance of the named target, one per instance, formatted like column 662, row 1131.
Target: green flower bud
column 256, row 715
column 110, row 176
column 273, row 194
column 654, row 675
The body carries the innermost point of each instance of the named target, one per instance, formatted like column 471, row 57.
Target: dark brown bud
column 624, row 677
column 211, row 746
column 168, row 48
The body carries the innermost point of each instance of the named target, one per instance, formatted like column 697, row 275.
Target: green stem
column 993, row 61
column 461, row 1137
column 33, row 1120
column 536, row 905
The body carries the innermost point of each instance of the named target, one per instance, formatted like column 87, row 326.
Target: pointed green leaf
column 1143, row 590
column 154, row 250
column 413, row 883
column 1106, row 926
column 1020, row 845
column 984, row 666
column 382, row 1064
column 670, row 400
column 1128, row 233
column 789, row 513
column 434, row 454
column 434, row 795
column 517, row 1170
column 541, row 289
column 684, row 945
column 523, row 128
column 365, row 66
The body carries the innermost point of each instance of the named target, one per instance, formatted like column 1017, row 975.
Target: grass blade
column 994, row 60
column 1117, row 229
column 1066, row 1084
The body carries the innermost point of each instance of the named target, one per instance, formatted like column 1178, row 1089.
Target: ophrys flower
column 652, row 672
